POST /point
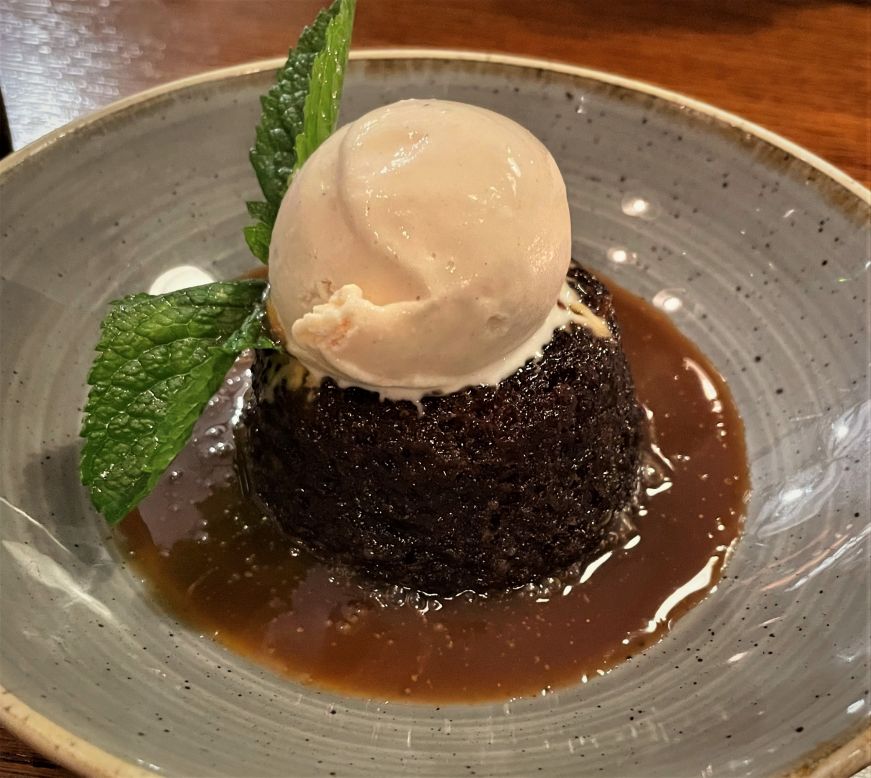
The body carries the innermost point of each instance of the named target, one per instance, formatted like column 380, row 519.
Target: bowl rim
column 837, row 759
column 679, row 99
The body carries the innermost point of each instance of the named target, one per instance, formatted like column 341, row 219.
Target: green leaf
column 328, row 75
column 257, row 236
column 159, row 360
column 266, row 212
column 293, row 122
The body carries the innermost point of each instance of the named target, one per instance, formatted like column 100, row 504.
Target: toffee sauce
column 218, row 564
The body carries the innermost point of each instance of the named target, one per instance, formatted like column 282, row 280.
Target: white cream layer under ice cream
column 422, row 249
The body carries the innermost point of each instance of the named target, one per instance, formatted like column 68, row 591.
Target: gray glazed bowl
column 756, row 248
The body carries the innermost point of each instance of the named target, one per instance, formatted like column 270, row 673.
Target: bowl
column 760, row 249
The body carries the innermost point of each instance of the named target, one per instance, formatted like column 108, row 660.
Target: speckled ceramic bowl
column 756, row 248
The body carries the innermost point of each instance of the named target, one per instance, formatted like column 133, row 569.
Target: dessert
column 218, row 565
column 416, row 463
column 455, row 411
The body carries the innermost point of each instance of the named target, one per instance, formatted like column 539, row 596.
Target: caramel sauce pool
column 226, row 570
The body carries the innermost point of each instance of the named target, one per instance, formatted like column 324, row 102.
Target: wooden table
column 799, row 67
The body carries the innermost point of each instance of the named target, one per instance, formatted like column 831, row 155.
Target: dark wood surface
column 799, row 67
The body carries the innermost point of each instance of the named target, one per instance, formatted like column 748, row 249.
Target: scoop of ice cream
column 421, row 249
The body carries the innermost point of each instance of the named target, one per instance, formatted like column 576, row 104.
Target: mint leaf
column 321, row 107
column 257, row 236
column 316, row 64
column 160, row 359
column 266, row 212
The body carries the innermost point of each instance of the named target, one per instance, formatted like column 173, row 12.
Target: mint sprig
column 298, row 113
column 160, row 359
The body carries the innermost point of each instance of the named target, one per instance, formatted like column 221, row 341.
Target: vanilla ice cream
column 421, row 249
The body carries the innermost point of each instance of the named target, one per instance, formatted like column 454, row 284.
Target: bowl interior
column 759, row 257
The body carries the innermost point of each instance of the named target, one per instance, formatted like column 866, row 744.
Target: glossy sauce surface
column 212, row 559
